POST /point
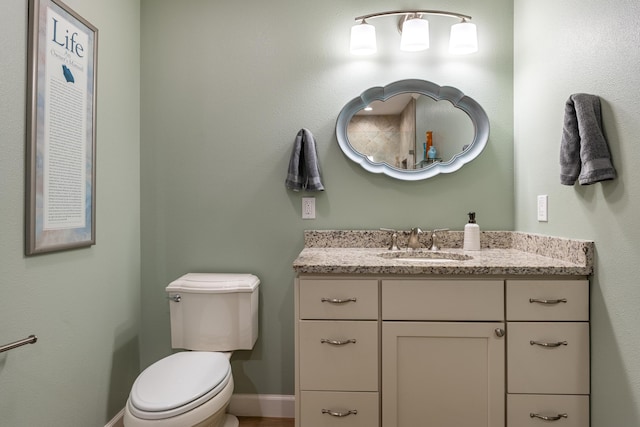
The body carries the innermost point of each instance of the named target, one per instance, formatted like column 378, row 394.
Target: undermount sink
column 425, row 256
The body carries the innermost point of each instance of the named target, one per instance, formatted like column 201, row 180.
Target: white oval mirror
column 391, row 129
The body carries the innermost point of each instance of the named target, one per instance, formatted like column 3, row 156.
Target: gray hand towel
column 304, row 169
column 584, row 152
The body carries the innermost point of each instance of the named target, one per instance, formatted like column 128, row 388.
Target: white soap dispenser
column 471, row 234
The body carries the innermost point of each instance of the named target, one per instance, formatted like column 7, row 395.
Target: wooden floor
column 265, row 422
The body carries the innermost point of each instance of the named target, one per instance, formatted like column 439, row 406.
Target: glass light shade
column 363, row 39
column 464, row 38
column 415, row 35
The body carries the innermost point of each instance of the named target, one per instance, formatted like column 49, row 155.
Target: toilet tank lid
column 214, row 283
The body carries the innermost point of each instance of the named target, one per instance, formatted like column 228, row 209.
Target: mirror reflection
column 410, row 131
column 432, row 130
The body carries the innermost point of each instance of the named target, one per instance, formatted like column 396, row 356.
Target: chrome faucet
column 414, row 243
column 434, row 243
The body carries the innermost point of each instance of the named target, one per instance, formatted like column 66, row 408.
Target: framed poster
column 61, row 129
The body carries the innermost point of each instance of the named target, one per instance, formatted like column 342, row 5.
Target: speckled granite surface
column 502, row 253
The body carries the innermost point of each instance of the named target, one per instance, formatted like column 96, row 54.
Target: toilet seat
column 179, row 383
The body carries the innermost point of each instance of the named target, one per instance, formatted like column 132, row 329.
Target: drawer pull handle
column 340, row 414
column 337, row 300
column 554, row 418
column 548, row 344
column 548, row 301
column 337, row 342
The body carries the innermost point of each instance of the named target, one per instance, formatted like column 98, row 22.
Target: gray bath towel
column 584, row 152
column 304, row 169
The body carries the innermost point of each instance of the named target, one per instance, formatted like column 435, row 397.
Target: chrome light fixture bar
column 415, row 32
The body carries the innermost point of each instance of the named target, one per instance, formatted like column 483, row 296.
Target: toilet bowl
column 211, row 315
column 186, row 389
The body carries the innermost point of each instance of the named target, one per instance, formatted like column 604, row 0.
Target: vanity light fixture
column 415, row 32
column 363, row 39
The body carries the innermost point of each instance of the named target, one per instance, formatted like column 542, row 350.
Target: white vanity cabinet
column 548, row 352
column 441, row 351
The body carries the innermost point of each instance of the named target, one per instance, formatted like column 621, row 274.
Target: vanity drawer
column 556, row 368
column 443, row 300
column 313, row 403
column 521, row 407
column 338, row 299
column 339, row 355
column 544, row 300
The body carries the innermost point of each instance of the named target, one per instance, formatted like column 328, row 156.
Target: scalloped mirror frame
column 459, row 100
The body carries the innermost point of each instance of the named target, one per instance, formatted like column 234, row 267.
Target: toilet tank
column 214, row 311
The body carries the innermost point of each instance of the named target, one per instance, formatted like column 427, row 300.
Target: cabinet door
column 548, row 300
column 339, row 299
column 443, row 300
column 339, row 355
column 443, row 374
column 537, row 410
column 339, row 409
column 548, row 357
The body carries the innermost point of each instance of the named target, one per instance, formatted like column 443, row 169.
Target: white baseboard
column 117, row 420
column 263, row 405
column 246, row 405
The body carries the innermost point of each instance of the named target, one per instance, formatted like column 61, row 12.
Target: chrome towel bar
column 28, row 340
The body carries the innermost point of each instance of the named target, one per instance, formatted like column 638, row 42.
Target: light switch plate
column 543, row 208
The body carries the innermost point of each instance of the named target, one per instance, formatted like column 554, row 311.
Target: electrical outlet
column 308, row 208
column 543, row 208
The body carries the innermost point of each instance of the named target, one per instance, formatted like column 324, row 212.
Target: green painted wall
column 588, row 46
column 84, row 305
column 225, row 88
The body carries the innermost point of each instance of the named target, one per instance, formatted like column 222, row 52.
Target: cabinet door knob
column 550, row 418
column 339, row 414
column 548, row 344
column 337, row 300
column 337, row 342
column 499, row 332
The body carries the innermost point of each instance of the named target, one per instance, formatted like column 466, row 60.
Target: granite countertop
column 502, row 253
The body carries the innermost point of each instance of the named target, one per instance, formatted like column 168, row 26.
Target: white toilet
column 212, row 314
